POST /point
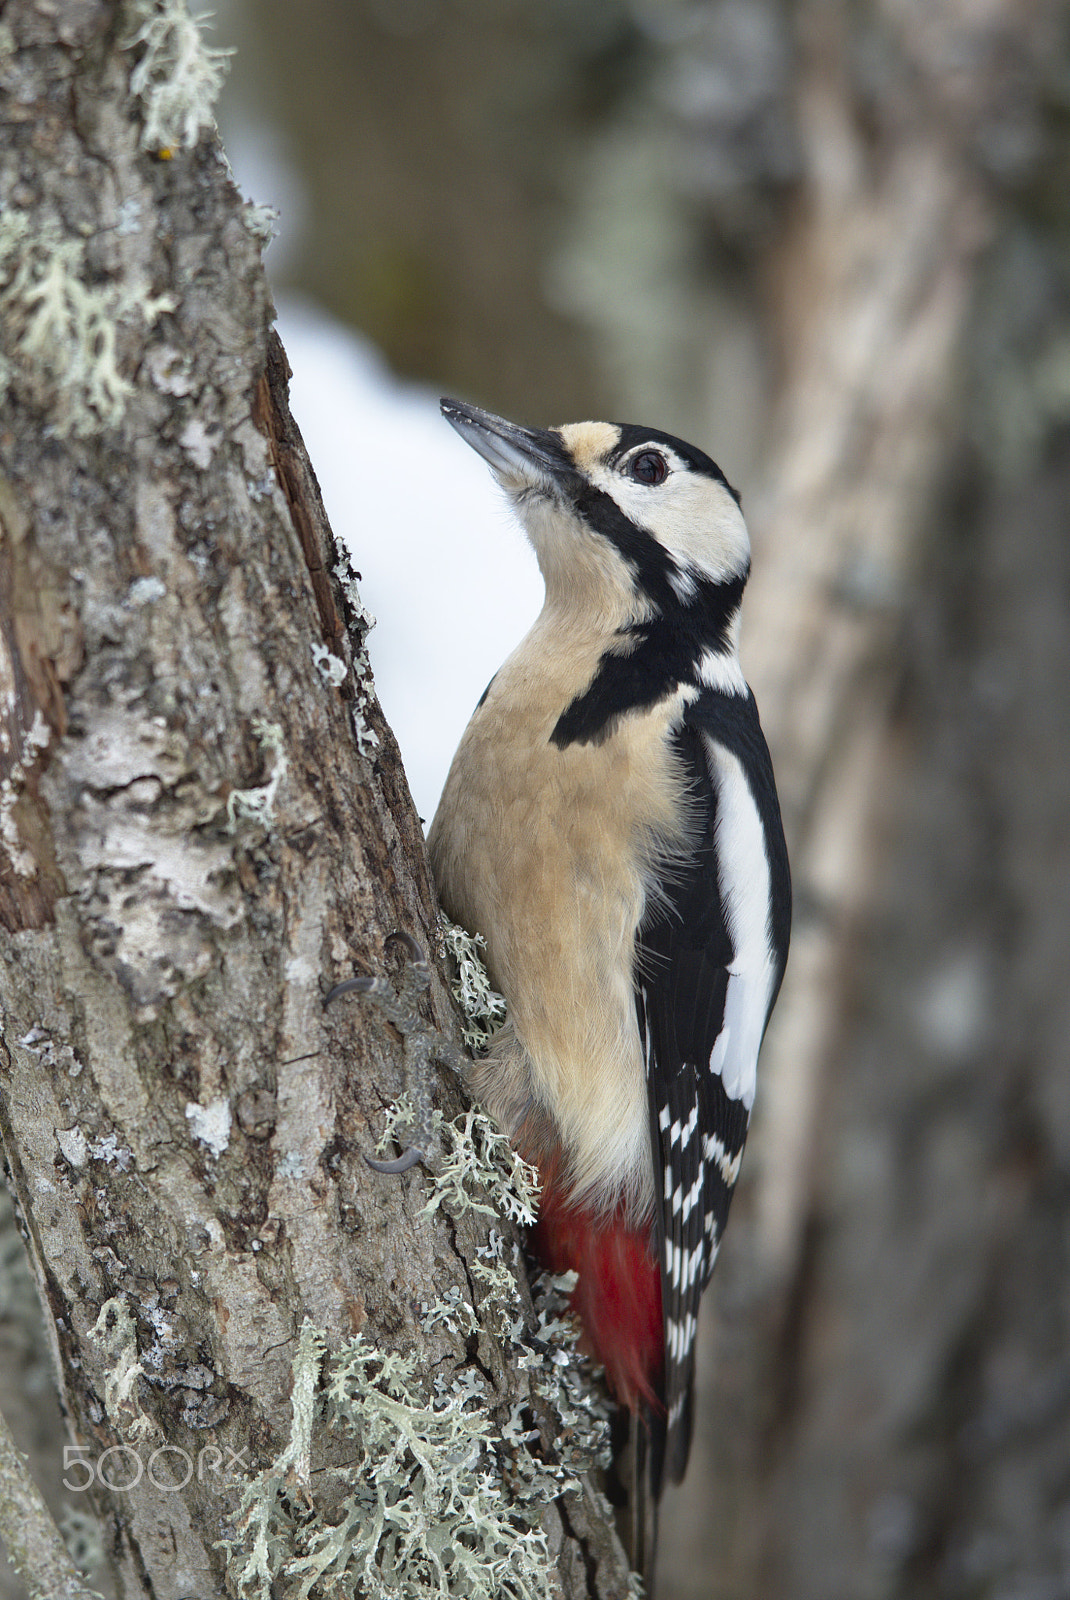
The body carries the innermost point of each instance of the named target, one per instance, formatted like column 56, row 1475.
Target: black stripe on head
column 632, row 434
column 652, row 565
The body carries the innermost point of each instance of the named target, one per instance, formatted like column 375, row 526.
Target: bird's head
column 616, row 509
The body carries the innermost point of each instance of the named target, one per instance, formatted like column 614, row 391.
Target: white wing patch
column 743, row 873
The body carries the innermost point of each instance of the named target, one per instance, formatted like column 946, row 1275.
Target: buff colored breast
column 548, row 852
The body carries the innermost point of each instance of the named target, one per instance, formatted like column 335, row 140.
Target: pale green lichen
column 59, row 330
column 361, row 624
column 482, row 1008
column 177, row 77
column 477, row 1168
column 439, row 1498
column 115, row 1336
column 258, row 804
column 267, row 1531
column 446, row 1488
column 497, row 1270
column 452, row 1312
column 435, row 1518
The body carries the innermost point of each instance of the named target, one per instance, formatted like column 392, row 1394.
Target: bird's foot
column 423, row 1043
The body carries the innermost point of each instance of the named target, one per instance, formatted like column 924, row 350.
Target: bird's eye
column 650, row 467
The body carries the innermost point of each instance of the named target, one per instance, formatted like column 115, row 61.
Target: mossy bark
column 201, row 832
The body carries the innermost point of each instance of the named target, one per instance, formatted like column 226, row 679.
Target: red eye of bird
column 650, row 466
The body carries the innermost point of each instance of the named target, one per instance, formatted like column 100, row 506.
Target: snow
column 446, row 570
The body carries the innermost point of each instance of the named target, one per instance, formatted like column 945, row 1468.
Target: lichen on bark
column 201, row 832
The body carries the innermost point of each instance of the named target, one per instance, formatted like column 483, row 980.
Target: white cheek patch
column 690, row 515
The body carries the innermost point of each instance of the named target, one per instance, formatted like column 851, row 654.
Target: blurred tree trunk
column 886, row 1338
column 204, row 823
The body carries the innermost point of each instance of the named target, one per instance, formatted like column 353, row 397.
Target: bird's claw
column 350, row 986
column 407, row 1159
column 422, row 1042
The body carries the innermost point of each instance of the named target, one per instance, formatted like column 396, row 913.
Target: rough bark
column 204, row 824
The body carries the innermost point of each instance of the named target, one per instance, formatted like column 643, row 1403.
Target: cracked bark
column 193, row 846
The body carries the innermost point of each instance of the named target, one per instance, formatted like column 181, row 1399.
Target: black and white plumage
column 707, row 977
column 610, row 824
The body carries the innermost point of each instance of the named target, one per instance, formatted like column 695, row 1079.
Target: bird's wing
column 708, row 969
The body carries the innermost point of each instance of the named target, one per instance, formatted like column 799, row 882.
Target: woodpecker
column 610, row 825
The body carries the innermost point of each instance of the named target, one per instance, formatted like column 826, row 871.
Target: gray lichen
column 36, row 739
column 59, row 340
column 478, row 1169
column 361, row 622
column 446, row 1484
column 177, row 77
column 482, row 1008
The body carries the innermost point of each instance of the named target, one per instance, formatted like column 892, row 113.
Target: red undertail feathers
column 618, row 1296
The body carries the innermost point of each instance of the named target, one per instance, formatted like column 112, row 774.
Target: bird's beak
column 519, row 457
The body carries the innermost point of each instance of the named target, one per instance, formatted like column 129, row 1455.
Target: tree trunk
column 203, row 824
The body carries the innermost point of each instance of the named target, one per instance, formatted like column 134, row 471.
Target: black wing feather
column 698, row 1130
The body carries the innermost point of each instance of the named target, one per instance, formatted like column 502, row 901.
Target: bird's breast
column 550, row 853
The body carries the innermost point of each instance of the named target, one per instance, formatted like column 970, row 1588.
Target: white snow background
column 446, row 571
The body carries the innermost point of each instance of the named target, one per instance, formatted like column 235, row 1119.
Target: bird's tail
column 618, row 1300
column 634, row 1486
